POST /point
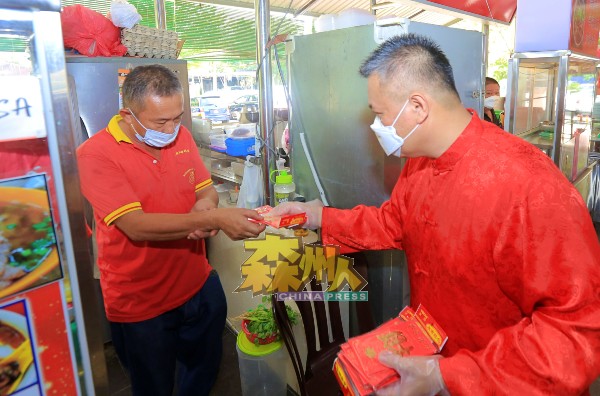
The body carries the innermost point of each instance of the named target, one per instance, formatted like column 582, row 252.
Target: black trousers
column 188, row 338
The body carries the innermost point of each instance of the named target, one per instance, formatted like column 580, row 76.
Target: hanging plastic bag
column 90, row 32
column 123, row 14
column 251, row 192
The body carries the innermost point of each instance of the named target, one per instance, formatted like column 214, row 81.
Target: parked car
column 211, row 106
column 236, row 107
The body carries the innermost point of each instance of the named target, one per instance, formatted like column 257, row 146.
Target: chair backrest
column 319, row 319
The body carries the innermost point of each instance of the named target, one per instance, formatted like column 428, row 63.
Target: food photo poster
column 29, row 254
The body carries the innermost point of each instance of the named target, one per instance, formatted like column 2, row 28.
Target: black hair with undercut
column 413, row 61
column 149, row 80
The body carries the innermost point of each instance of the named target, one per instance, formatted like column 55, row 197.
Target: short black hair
column 144, row 81
column 411, row 58
column 490, row 80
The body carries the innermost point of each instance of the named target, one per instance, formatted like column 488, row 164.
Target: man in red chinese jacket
column 501, row 248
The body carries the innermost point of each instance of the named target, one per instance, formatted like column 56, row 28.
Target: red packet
column 396, row 336
column 411, row 333
column 435, row 332
column 279, row 221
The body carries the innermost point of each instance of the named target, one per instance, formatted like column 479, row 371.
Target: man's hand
column 313, row 210
column 199, row 234
column 235, row 224
column 419, row 375
column 202, row 205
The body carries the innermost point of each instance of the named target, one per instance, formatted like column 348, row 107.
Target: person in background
column 501, row 249
column 492, row 96
column 153, row 204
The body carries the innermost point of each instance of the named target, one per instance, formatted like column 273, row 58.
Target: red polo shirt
column 141, row 280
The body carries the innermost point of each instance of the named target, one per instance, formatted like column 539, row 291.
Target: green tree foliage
column 501, row 72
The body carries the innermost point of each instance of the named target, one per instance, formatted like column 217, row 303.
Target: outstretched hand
column 313, row 210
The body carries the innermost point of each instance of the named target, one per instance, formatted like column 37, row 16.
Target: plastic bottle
column 284, row 187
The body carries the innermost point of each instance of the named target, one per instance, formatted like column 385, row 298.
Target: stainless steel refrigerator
column 97, row 85
column 329, row 106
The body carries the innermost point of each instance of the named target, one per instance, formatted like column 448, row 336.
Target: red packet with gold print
column 412, row 333
column 279, row 221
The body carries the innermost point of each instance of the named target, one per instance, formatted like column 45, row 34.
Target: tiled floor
column 228, row 381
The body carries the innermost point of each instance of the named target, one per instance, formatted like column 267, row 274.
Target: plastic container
column 284, row 187
column 240, row 146
column 263, row 368
column 218, row 140
column 241, row 130
column 201, row 130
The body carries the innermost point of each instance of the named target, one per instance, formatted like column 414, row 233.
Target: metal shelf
column 226, row 176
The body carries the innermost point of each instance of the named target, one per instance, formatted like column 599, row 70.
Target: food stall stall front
column 46, row 303
column 551, row 88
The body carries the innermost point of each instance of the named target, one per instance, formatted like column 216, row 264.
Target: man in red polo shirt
column 154, row 203
column 501, row 249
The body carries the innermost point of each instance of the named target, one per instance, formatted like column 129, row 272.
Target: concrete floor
column 228, row 381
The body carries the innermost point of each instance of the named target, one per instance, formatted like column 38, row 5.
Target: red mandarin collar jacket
column 502, row 252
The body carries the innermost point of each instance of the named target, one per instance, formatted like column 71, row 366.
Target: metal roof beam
column 304, row 7
column 242, row 4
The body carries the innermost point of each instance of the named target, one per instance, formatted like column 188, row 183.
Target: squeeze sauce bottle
column 284, row 187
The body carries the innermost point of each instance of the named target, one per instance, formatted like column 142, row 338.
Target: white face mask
column 491, row 101
column 387, row 136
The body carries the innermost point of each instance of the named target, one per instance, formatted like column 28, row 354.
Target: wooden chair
column 317, row 378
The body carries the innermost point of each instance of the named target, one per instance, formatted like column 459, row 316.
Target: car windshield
column 246, row 98
column 211, row 101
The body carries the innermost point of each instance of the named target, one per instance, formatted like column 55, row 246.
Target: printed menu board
column 35, row 357
column 37, row 350
column 585, row 24
column 28, row 250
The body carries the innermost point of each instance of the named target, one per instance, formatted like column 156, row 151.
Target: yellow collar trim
column 115, row 130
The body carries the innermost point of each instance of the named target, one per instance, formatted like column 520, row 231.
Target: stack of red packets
column 357, row 367
column 286, row 221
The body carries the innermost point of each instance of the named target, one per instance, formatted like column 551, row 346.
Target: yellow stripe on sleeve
column 121, row 211
column 204, row 184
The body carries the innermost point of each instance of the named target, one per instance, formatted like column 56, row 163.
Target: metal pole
column 485, row 29
column 160, row 14
column 265, row 87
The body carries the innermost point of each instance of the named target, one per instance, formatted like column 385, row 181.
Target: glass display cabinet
column 549, row 103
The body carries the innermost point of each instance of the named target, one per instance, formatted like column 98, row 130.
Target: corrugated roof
column 225, row 29
column 418, row 12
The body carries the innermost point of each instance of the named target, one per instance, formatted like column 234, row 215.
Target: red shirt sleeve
column 366, row 227
column 103, row 183
column 547, row 260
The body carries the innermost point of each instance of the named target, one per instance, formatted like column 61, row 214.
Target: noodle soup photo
column 17, row 367
column 28, row 250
